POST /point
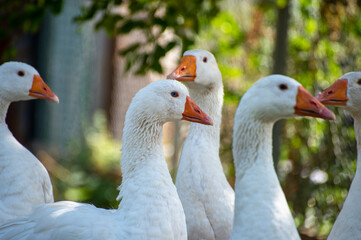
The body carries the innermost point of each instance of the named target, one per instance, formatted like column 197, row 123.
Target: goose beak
column 193, row 113
column 336, row 94
column 307, row 105
column 41, row 90
column 186, row 71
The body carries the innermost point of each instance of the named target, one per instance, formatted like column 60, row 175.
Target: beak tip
column 56, row 99
column 329, row 115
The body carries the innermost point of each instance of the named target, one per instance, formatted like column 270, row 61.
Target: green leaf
column 157, row 67
column 130, row 25
column 170, row 46
column 129, row 49
column 108, row 22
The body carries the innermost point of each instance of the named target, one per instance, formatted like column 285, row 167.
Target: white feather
column 24, row 182
column 261, row 210
column 348, row 222
column 207, row 197
column 150, row 207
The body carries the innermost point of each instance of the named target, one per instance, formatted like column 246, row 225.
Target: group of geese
column 201, row 204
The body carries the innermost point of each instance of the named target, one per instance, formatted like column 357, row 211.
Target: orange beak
column 193, row 113
column 336, row 94
column 307, row 105
column 186, row 71
column 41, row 90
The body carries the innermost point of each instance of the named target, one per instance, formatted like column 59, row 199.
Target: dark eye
column 21, row 73
column 174, row 94
column 359, row 81
column 283, row 86
column 205, row 59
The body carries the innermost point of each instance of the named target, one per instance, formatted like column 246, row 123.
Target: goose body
column 150, row 207
column 207, row 197
column 261, row 210
column 346, row 93
column 24, row 182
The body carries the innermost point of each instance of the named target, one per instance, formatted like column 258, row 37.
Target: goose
column 207, row 197
column 261, row 210
column 24, row 181
column 346, row 93
column 150, row 207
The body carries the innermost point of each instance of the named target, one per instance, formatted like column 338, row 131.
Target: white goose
column 24, row 182
column 346, row 92
column 150, row 207
column 207, row 197
column 261, row 210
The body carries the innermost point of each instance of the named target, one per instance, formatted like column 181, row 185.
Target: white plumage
column 346, row 92
column 150, row 207
column 24, row 182
column 207, row 197
column 261, row 210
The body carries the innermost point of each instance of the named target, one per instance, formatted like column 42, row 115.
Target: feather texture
column 150, row 207
column 24, row 181
column 348, row 222
column 207, row 197
column 261, row 210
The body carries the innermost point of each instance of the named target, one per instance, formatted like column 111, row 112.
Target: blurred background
column 95, row 55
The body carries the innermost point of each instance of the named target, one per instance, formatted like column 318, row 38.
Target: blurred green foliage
column 91, row 170
column 18, row 17
column 152, row 18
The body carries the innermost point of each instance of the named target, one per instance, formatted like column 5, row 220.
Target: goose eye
column 205, row 59
column 283, row 87
column 174, row 94
column 359, row 81
column 21, row 73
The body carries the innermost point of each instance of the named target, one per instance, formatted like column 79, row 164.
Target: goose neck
column 210, row 100
column 252, row 143
column 142, row 145
column 146, row 181
column 4, row 105
column 357, row 126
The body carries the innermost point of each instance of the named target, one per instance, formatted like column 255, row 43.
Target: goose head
column 276, row 96
column 20, row 81
column 345, row 92
column 199, row 67
column 168, row 100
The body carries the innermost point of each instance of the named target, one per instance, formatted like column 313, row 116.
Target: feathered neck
column 142, row 143
column 4, row 105
column 142, row 153
column 252, row 141
column 257, row 184
column 210, row 100
column 357, row 127
column 146, row 182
